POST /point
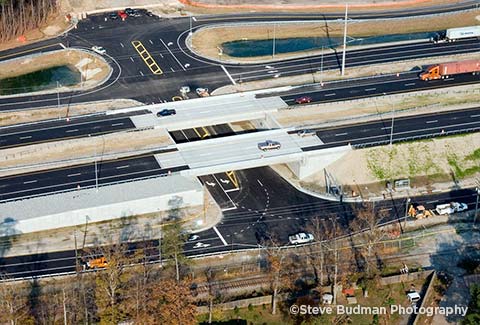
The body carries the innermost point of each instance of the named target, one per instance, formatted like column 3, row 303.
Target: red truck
column 445, row 70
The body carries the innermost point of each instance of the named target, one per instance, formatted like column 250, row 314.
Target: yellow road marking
column 202, row 136
column 233, row 178
column 146, row 57
column 27, row 51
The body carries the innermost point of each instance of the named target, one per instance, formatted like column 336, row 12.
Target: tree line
column 19, row 16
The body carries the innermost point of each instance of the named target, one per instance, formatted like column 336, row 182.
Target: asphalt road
column 265, row 206
column 62, row 129
column 87, row 175
column 359, row 135
column 164, row 39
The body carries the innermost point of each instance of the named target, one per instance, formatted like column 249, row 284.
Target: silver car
column 269, row 145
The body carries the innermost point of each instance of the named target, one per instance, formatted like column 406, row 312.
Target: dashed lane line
column 179, row 63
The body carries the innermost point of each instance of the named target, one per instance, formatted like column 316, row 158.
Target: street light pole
column 321, row 69
column 344, row 40
column 476, row 206
column 273, row 43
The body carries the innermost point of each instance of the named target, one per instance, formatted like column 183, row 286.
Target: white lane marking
column 181, row 65
column 331, row 94
column 161, row 55
column 124, row 166
column 69, row 131
column 63, row 46
column 220, row 236
column 434, row 201
column 432, row 121
column 117, row 124
column 340, row 134
column 228, row 209
column 76, row 174
column 131, row 59
column 150, row 41
column 25, row 137
column 29, row 182
column 172, row 69
column 141, row 73
column 370, row 89
column 121, row 44
column 228, row 74
column 476, row 115
column 449, row 79
column 259, row 182
column 410, row 84
column 386, row 128
column 232, row 190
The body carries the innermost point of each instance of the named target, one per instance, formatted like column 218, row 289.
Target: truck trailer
column 445, row 70
column 453, row 34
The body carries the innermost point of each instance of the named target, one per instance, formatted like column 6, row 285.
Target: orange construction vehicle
column 419, row 212
column 445, row 70
column 95, row 263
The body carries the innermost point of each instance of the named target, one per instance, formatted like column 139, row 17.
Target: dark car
column 149, row 14
column 129, row 11
column 303, row 100
column 166, row 112
column 113, row 16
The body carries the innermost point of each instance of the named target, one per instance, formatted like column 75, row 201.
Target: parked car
column 149, row 14
column 306, row 133
column 113, row 16
column 300, row 238
column 122, row 14
column 269, row 145
column 303, row 100
column 99, row 50
column 129, row 11
column 166, row 112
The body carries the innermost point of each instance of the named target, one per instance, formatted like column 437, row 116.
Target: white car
column 450, row 208
column 269, row 145
column 200, row 245
column 306, row 133
column 300, row 238
column 98, row 49
column 413, row 297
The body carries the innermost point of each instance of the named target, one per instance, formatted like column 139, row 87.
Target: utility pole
column 274, row 35
column 334, row 291
column 393, row 121
column 406, row 213
column 344, row 40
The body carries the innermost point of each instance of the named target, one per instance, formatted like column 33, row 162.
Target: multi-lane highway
column 63, row 128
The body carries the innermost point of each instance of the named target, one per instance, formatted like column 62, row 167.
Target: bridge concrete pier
column 315, row 161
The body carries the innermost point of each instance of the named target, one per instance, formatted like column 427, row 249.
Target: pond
column 252, row 48
column 40, row 80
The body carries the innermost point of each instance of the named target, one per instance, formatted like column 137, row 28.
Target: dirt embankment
column 207, row 41
column 93, row 68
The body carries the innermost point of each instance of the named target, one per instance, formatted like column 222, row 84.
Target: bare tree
column 367, row 222
column 14, row 304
